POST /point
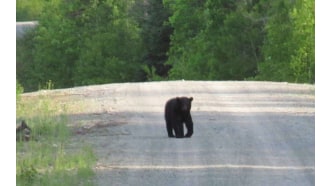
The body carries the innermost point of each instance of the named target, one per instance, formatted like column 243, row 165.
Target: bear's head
column 184, row 104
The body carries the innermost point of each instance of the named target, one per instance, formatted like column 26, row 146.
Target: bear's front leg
column 190, row 126
column 178, row 128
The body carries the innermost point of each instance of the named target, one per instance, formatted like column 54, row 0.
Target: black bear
column 177, row 112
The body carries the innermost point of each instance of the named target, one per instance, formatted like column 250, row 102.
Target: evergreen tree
column 152, row 17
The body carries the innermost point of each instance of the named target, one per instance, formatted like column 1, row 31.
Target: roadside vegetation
column 47, row 159
column 106, row 41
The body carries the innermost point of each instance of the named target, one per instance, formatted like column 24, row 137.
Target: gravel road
column 245, row 133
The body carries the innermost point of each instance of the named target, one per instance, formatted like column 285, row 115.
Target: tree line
column 105, row 41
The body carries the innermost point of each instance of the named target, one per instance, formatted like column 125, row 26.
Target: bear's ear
column 191, row 99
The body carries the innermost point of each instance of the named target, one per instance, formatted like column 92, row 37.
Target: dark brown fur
column 177, row 113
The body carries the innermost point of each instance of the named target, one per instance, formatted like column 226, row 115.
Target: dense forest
column 83, row 42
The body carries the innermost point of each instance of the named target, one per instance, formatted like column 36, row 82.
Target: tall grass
column 46, row 159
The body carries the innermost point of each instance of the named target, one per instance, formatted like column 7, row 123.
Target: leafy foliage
column 104, row 41
column 111, row 47
column 29, row 10
column 80, row 43
column 290, row 56
column 303, row 58
column 211, row 44
column 236, row 40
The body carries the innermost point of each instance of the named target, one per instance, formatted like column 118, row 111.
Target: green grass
column 47, row 159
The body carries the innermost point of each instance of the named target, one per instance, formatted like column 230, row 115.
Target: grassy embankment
column 47, row 159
